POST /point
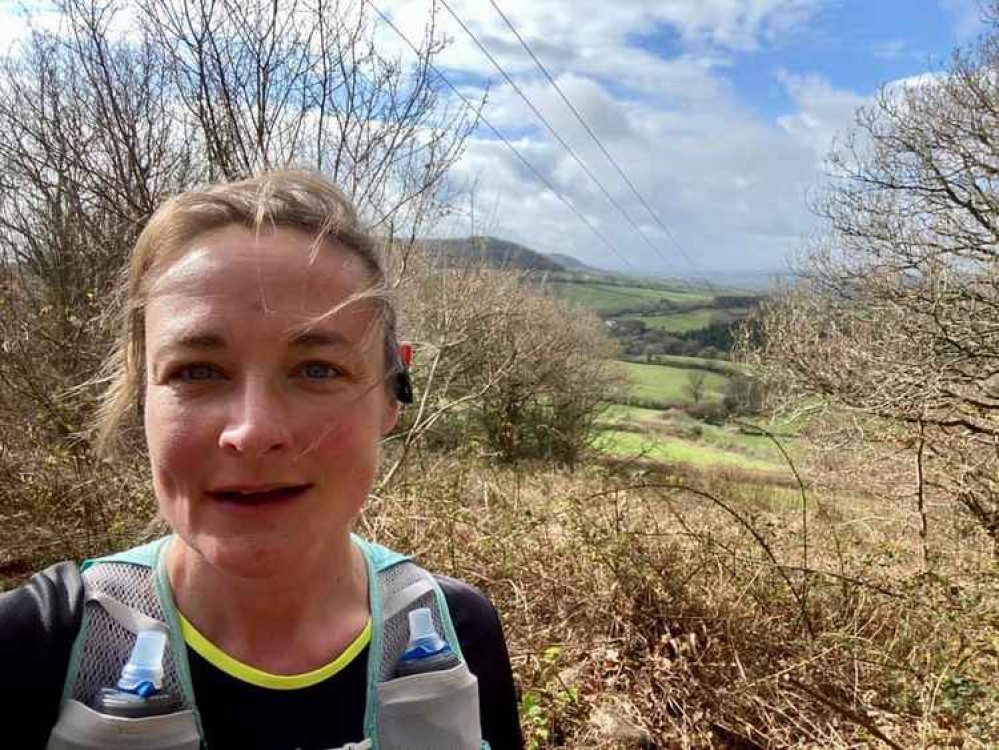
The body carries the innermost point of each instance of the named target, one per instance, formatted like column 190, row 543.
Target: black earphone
column 403, row 387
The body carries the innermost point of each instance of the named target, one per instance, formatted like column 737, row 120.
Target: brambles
column 637, row 607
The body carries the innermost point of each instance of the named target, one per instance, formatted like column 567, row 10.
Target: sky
column 720, row 112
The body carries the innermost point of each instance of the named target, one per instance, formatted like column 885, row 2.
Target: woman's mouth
column 262, row 495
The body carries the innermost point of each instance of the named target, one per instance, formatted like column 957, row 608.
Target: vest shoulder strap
column 379, row 558
column 132, row 581
column 104, row 643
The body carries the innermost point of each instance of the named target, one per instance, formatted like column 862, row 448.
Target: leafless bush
column 501, row 363
column 895, row 321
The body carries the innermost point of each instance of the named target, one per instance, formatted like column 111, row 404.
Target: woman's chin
column 245, row 555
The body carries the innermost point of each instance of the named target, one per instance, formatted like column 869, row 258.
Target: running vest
column 130, row 591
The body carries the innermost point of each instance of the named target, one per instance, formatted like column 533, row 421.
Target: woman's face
column 262, row 415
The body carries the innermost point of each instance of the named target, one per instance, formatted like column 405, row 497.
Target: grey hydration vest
column 130, row 591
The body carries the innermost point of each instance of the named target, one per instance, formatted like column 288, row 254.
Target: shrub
column 503, row 364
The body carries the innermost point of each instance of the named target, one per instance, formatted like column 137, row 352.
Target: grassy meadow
column 608, row 298
column 680, row 322
column 675, row 450
column 673, row 437
column 663, row 383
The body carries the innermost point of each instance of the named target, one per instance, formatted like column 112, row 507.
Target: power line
column 555, row 133
column 593, row 135
column 502, row 138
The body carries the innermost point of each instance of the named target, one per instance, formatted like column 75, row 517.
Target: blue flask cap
column 424, row 639
column 143, row 674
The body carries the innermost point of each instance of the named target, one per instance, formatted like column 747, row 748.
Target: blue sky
column 720, row 111
column 855, row 46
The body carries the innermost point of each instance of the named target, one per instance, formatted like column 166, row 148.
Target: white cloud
column 728, row 184
column 822, row 111
column 586, row 36
column 916, row 81
column 18, row 18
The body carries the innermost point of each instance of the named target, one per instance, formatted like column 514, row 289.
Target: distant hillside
column 495, row 252
column 571, row 264
column 750, row 280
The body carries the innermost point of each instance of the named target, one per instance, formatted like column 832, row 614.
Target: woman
column 260, row 344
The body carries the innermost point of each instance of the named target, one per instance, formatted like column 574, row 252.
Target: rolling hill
column 495, row 252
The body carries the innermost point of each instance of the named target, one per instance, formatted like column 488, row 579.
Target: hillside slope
column 495, row 252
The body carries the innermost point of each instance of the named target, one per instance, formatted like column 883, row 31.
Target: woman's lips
column 259, row 496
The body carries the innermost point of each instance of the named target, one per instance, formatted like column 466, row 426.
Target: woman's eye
column 318, row 371
column 196, row 373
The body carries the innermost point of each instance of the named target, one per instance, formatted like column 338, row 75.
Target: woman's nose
column 257, row 423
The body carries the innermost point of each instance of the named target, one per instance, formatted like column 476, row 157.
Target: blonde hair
column 288, row 199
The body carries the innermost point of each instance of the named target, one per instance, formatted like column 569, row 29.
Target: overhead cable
column 555, row 134
column 596, row 140
column 502, row 138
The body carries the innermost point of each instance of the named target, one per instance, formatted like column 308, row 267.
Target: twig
column 857, row 718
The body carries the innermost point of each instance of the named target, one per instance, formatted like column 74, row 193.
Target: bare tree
column 301, row 81
column 897, row 316
column 696, row 385
column 98, row 126
column 88, row 150
column 502, row 363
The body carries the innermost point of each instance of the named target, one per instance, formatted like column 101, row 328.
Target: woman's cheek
column 180, row 446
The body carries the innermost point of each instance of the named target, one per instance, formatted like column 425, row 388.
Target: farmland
column 611, row 298
column 673, row 409
column 680, row 322
column 670, row 384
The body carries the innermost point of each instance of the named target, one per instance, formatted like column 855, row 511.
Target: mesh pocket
column 396, row 634
column 393, row 582
column 108, row 644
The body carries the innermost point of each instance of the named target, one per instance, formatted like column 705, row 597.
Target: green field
column 730, row 438
column 664, row 383
column 681, row 322
column 632, row 444
column 676, row 359
column 606, row 298
column 621, row 414
column 674, row 425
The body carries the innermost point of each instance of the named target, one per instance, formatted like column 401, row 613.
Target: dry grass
column 643, row 608
column 60, row 504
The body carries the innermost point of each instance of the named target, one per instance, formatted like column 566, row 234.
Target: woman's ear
column 390, row 416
